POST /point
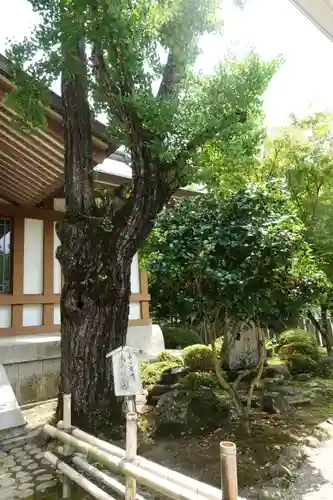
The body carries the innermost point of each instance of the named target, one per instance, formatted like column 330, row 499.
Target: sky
column 272, row 27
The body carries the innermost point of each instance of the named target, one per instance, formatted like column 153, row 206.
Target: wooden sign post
column 127, row 383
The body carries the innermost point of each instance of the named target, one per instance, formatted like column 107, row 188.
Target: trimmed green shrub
column 325, row 367
column 151, row 372
column 178, row 338
column 299, row 363
column 218, row 346
column 195, row 380
column 199, row 357
column 166, row 356
column 308, row 349
column 295, row 335
column 270, row 349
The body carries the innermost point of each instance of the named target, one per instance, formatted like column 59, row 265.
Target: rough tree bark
column 97, row 247
column 323, row 328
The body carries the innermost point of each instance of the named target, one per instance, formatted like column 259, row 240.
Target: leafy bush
column 199, row 357
column 151, row 372
column 309, row 350
column 166, row 356
column 218, row 346
column 195, row 380
column 299, row 363
column 270, row 349
column 296, row 335
column 178, row 338
column 325, row 367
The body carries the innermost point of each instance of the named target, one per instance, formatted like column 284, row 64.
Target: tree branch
column 170, row 79
column 78, row 169
column 103, row 77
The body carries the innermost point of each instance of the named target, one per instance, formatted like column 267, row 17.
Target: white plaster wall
column 33, row 256
column 59, row 204
column 134, row 311
column 32, row 314
column 56, row 265
column 135, row 275
column 5, row 316
column 148, row 338
column 56, row 314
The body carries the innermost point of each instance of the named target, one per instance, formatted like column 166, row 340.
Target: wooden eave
column 31, row 164
column 319, row 12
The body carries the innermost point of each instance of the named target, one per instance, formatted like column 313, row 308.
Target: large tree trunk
column 97, row 247
column 323, row 328
column 94, row 310
column 96, row 270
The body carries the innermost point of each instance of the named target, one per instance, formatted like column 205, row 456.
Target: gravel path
column 315, row 478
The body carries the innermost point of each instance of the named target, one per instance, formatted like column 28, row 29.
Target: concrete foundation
column 32, row 362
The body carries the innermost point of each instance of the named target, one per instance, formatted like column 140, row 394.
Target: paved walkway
column 23, row 472
column 315, row 479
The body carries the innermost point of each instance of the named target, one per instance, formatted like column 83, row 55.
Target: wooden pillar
column 48, row 275
column 144, row 291
column 18, row 270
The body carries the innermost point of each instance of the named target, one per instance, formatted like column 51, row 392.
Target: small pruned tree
column 230, row 261
column 133, row 61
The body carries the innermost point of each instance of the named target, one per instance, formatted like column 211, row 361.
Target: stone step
column 17, row 435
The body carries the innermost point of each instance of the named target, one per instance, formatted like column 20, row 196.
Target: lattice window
column 5, row 255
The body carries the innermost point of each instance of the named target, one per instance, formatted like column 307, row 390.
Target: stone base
column 148, row 338
column 32, row 362
column 10, row 412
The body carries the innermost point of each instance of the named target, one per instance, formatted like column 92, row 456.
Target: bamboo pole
column 131, row 450
column 77, row 478
column 197, row 487
column 229, row 484
column 109, row 481
column 67, row 414
column 116, row 464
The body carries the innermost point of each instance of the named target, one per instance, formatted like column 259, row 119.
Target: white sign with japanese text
column 126, row 371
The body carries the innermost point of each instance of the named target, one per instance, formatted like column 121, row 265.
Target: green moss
column 296, row 335
column 300, row 363
column 305, row 348
column 166, row 356
column 151, row 372
column 199, row 357
column 201, row 379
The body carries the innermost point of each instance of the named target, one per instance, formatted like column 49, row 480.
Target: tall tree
column 227, row 262
column 303, row 156
column 240, row 257
column 112, row 54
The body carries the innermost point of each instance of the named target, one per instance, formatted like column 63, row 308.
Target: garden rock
column 269, row 494
column 325, row 366
column 311, row 441
column 304, row 377
column 293, row 456
column 298, row 399
column 189, row 411
column 274, row 371
column 327, row 428
column 171, row 376
column 156, row 391
column 279, row 470
column 319, row 434
column 281, row 483
column 289, row 390
column 274, row 402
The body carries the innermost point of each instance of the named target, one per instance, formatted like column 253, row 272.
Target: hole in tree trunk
column 80, row 304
